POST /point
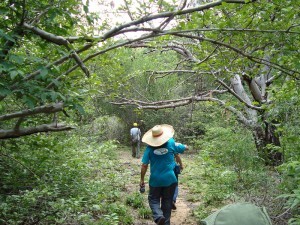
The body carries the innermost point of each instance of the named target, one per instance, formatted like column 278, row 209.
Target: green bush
column 136, row 200
column 226, row 169
column 145, row 213
column 60, row 179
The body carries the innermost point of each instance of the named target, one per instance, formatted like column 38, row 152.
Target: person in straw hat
column 159, row 153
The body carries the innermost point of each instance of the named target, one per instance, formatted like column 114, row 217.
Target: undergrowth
column 226, row 170
column 66, row 179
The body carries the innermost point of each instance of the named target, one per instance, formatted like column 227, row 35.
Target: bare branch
column 20, row 120
column 182, row 5
column 168, row 20
column 291, row 27
column 102, row 52
column 144, row 19
column 5, row 134
column 207, row 57
column 236, row 95
column 239, row 30
column 59, row 41
column 46, row 35
column 128, row 10
column 56, row 107
column 180, row 50
column 156, row 30
column 80, row 63
column 172, row 71
column 252, row 58
column 186, row 101
column 39, row 16
column 58, row 62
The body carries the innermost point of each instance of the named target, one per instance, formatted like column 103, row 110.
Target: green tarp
column 239, row 214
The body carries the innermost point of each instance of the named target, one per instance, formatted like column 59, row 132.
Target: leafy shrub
column 136, row 200
column 65, row 180
column 227, row 169
column 104, row 129
column 145, row 213
column 291, row 174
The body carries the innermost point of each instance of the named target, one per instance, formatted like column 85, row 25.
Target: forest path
column 181, row 216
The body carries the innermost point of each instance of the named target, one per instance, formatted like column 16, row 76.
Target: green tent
column 238, row 214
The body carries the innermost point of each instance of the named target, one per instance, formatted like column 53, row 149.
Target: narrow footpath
column 181, row 216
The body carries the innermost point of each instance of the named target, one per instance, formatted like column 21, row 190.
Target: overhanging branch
column 46, row 35
column 12, row 133
column 208, row 96
column 239, row 51
column 56, row 107
column 205, row 96
column 236, row 95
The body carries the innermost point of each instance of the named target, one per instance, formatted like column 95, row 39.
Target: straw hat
column 158, row 135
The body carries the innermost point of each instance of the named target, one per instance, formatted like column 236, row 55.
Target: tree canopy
column 50, row 51
column 60, row 60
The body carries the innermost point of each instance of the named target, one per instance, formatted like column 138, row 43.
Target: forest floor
column 183, row 215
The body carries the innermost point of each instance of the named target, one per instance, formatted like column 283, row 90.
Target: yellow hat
column 135, row 124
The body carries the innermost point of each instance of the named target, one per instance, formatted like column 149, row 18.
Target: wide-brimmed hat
column 158, row 135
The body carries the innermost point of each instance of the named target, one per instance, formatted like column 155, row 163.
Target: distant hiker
column 178, row 167
column 135, row 134
column 160, row 151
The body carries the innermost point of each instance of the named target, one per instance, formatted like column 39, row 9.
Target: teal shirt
column 161, row 161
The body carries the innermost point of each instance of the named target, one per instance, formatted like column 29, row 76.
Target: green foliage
column 136, row 200
column 56, row 179
column 103, row 129
column 285, row 115
column 227, row 169
column 145, row 213
column 76, row 180
column 291, row 175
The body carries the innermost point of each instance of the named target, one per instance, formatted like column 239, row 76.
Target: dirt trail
column 181, row 216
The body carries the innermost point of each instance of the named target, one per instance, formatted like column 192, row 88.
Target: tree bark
column 15, row 133
column 263, row 137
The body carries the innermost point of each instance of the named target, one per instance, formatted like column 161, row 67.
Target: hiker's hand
column 142, row 187
column 142, row 183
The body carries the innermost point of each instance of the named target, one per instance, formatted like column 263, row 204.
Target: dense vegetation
column 225, row 74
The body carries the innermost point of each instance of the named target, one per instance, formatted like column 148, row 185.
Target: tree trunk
column 265, row 141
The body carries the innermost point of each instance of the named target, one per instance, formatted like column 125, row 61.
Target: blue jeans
column 160, row 201
column 175, row 193
column 176, row 189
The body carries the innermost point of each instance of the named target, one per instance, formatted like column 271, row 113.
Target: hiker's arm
column 178, row 160
column 144, row 168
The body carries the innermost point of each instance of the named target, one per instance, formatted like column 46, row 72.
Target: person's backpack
column 238, row 214
column 136, row 137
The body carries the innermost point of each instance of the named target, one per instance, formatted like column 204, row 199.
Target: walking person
column 160, row 151
column 177, row 170
column 135, row 134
